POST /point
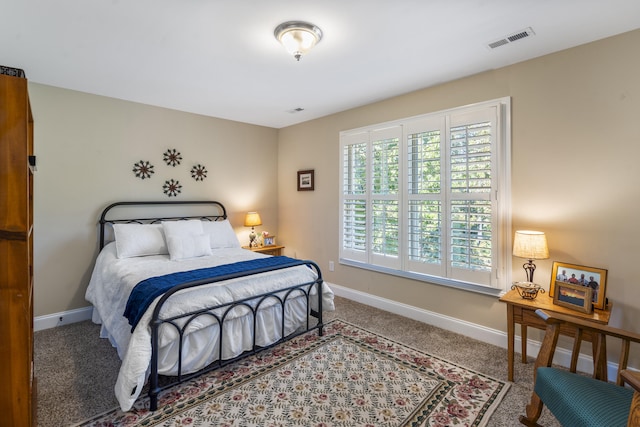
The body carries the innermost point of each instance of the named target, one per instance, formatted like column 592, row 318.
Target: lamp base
column 253, row 242
column 529, row 268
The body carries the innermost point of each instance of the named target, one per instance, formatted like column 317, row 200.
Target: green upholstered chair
column 577, row 400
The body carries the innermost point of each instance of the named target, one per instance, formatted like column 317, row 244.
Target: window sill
column 465, row 286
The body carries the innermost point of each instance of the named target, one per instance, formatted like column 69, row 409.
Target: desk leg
column 523, row 337
column 510, row 341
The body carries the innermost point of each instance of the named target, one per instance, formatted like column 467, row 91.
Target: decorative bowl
column 527, row 290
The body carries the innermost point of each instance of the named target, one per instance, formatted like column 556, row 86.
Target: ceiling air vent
column 527, row 32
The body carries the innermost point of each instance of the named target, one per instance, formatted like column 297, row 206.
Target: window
column 427, row 197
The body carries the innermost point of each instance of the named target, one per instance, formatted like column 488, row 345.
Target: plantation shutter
column 425, row 140
column 385, row 197
column 471, row 159
column 354, row 197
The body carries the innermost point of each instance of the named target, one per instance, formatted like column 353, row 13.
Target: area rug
column 348, row 377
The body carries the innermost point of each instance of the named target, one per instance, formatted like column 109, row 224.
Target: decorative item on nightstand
column 530, row 245
column 268, row 240
column 251, row 220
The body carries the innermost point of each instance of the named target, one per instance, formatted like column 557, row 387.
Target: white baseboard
column 462, row 327
column 472, row 330
column 62, row 318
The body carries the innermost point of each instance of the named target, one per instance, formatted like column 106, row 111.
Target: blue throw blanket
column 149, row 289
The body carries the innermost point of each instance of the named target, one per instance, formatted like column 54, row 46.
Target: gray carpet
column 76, row 370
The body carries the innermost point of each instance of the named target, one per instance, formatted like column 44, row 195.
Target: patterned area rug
column 348, row 377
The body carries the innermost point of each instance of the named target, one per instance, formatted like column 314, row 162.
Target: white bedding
column 113, row 279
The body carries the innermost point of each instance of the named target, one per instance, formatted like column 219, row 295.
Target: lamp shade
column 252, row 219
column 530, row 245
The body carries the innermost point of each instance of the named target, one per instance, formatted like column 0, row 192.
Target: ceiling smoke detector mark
column 296, row 110
column 527, row 32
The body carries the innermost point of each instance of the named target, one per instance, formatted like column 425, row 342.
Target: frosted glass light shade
column 298, row 37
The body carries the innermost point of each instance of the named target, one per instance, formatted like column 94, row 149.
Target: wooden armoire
column 17, row 382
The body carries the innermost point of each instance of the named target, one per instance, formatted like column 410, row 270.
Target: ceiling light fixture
column 298, row 37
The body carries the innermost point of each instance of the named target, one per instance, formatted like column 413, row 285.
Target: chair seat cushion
column 577, row 400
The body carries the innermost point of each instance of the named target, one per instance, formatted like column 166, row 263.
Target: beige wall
column 575, row 150
column 575, row 145
column 86, row 147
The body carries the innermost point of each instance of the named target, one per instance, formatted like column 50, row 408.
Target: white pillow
column 182, row 228
column 221, row 234
column 188, row 246
column 182, row 239
column 134, row 240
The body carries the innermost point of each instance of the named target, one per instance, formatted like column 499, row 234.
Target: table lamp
column 251, row 220
column 530, row 245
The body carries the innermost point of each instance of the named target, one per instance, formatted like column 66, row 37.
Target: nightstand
column 269, row 250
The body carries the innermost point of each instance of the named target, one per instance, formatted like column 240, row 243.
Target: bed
column 177, row 296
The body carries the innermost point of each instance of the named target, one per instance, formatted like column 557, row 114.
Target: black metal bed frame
column 252, row 304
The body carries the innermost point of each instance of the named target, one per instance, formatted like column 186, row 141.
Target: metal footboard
column 220, row 314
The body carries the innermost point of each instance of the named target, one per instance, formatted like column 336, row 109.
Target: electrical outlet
column 331, row 266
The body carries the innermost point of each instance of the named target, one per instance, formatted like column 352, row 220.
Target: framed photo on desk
column 594, row 278
column 576, row 297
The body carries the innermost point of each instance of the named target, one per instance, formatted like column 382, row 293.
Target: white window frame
column 360, row 254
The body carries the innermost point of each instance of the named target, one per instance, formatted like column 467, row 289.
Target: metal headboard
column 218, row 213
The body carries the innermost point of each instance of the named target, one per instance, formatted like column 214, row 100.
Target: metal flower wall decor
column 172, row 157
column 198, row 172
column 143, row 169
column 172, row 188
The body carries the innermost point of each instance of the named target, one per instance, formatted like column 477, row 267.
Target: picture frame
column 592, row 277
column 306, row 180
column 269, row 241
column 576, row 297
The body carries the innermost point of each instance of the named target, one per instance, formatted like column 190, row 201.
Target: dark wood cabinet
column 17, row 383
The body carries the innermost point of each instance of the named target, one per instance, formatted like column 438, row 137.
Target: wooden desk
column 522, row 311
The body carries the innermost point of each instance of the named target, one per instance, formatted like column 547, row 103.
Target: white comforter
column 113, row 279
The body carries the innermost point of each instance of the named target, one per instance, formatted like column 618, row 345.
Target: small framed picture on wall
column 306, row 180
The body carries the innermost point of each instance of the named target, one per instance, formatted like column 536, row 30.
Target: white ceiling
column 220, row 58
